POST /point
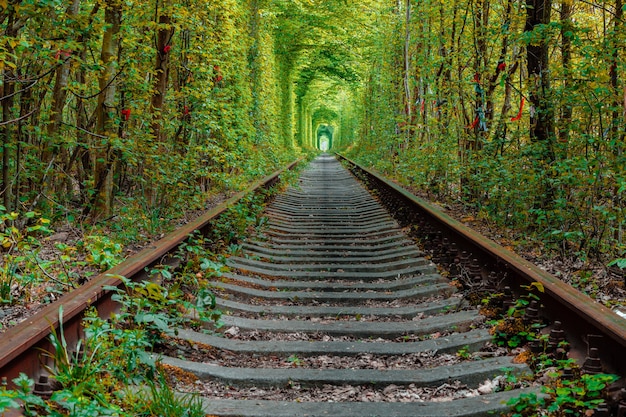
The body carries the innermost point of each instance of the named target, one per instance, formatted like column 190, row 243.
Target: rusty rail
column 581, row 316
column 19, row 345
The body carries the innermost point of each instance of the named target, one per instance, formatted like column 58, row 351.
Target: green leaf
column 620, row 263
column 7, row 401
column 205, row 299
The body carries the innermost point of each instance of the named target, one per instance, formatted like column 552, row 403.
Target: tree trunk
column 566, row 59
column 619, row 112
column 542, row 111
column 255, row 74
column 408, row 100
column 616, row 117
column 8, row 88
column 101, row 204
column 59, row 92
column 163, row 52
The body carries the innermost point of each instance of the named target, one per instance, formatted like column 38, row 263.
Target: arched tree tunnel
column 325, row 124
column 326, row 91
column 324, row 137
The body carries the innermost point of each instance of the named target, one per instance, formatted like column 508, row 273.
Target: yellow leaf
column 155, row 291
column 538, row 285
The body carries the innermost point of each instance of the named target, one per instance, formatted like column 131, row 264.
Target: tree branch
column 8, row 122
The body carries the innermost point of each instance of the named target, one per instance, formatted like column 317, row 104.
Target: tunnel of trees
column 515, row 108
column 325, row 137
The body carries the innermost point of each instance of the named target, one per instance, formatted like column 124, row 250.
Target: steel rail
column 21, row 345
column 581, row 316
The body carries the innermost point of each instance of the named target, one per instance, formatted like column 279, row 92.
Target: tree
column 104, row 152
column 538, row 65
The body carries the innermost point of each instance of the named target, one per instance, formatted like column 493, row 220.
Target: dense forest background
column 116, row 110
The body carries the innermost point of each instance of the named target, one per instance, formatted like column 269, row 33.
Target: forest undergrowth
column 44, row 259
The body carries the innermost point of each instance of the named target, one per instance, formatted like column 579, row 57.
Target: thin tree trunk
column 566, row 59
column 162, row 69
column 59, row 92
column 542, row 112
column 101, row 206
column 6, row 129
column 407, row 72
column 613, row 72
column 619, row 112
column 255, row 75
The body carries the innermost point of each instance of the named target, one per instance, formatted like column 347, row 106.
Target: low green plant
column 88, row 374
column 511, row 330
column 239, row 220
column 163, row 401
column 8, row 278
column 294, row 360
column 578, row 396
column 159, row 310
column 20, row 240
column 102, row 251
column 526, row 405
column 619, row 262
column 464, row 352
column 564, row 397
column 76, row 368
column 21, row 397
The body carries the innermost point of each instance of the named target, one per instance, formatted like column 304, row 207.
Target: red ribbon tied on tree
column 126, row 114
column 218, row 74
column 65, row 53
column 474, row 124
column 167, row 49
column 519, row 114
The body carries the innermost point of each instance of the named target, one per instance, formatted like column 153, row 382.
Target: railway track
column 334, row 279
column 334, row 310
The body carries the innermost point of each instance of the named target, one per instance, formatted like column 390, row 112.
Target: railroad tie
column 340, row 314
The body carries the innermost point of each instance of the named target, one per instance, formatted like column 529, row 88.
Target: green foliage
column 511, row 330
column 619, row 262
column 19, row 238
column 91, row 374
column 294, row 360
column 158, row 311
column 564, row 397
column 239, row 221
column 217, row 124
column 526, row 405
column 72, row 369
column 11, row 399
column 163, row 401
column 576, row 397
column 101, row 251
column 464, row 353
column 424, row 91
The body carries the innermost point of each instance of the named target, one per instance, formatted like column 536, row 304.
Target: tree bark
column 618, row 96
column 59, row 92
column 566, row 60
column 408, row 99
column 541, row 108
column 162, row 69
column 101, row 204
column 8, row 88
